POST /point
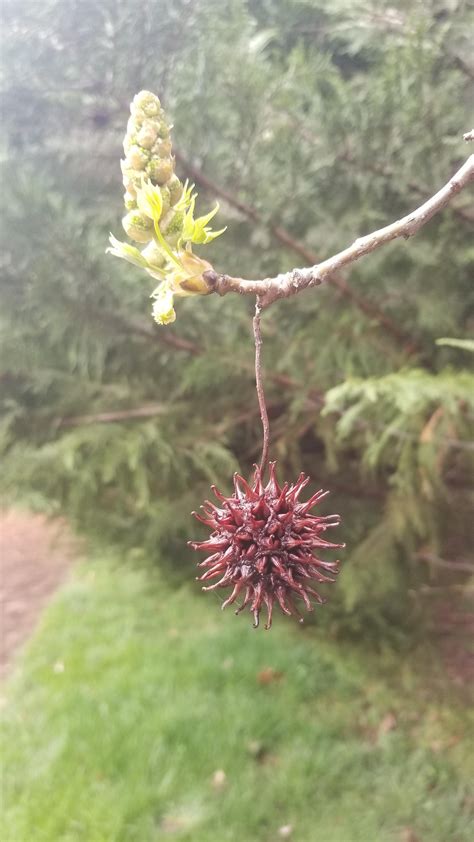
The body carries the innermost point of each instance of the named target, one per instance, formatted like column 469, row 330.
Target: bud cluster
column 160, row 212
column 147, row 147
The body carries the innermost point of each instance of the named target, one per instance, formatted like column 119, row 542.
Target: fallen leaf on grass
column 388, row 723
column 219, row 779
column 268, row 675
column 408, row 835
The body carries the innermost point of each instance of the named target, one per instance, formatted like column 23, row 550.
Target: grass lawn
column 139, row 714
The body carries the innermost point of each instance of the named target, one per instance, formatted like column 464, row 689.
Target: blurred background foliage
column 312, row 123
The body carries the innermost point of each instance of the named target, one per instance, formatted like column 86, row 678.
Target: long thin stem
column 259, row 382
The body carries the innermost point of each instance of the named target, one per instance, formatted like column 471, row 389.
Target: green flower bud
column 137, row 158
column 148, row 134
column 146, row 102
column 133, row 125
column 160, row 170
column 163, row 311
column 162, row 148
column 166, row 196
column 129, row 141
column 138, row 226
column 132, row 180
column 153, row 255
column 176, row 189
column 130, row 200
column 130, row 189
column 171, row 226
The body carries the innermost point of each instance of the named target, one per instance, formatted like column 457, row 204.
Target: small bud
column 132, row 180
column 153, row 255
column 171, row 226
column 129, row 200
column 129, row 141
column 147, row 102
column 166, row 196
column 160, row 170
column 176, row 189
column 138, row 226
column 137, row 158
column 163, row 311
column 162, row 148
column 131, row 126
column 148, row 134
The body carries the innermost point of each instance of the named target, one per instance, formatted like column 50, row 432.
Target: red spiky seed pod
column 263, row 545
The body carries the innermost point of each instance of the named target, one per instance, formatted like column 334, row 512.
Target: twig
column 259, row 382
column 109, row 417
column 464, row 566
column 285, row 238
column 291, row 283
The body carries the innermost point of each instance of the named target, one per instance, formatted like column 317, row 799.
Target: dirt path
column 35, row 555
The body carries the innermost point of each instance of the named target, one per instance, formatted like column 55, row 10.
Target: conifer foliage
column 312, row 123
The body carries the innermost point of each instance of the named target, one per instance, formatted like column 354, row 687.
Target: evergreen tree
column 312, row 123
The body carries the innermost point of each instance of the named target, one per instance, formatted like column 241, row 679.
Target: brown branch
column 111, row 417
column 135, row 328
column 295, row 281
column 463, row 566
column 369, row 308
column 179, row 343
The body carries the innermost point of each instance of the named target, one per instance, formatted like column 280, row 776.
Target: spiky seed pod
column 147, row 148
column 263, row 545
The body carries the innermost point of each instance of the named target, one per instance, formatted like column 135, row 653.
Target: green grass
column 130, row 697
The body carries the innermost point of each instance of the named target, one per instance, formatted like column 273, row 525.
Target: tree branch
column 110, row 417
column 366, row 306
column 430, row 558
column 295, row 281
